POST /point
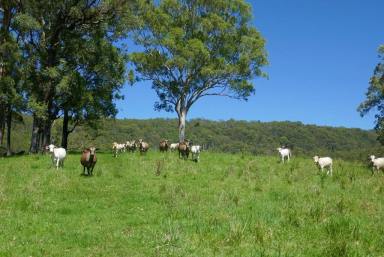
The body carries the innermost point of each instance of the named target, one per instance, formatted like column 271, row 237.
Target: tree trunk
column 65, row 133
column 2, row 130
column 9, row 123
column 35, row 138
column 47, row 132
column 2, row 123
column 182, row 117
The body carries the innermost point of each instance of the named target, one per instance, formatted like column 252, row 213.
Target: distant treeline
column 259, row 138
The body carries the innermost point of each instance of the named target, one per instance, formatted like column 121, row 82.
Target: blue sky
column 321, row 53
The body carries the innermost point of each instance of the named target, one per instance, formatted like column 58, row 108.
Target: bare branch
column 74, row 127
column 221, row 94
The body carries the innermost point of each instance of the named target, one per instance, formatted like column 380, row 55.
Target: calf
column 195, row 150
column 284, row 152
column 58, row 155
column 88, row 160
column 163, row 146
column 173, row 146
column 324, row 162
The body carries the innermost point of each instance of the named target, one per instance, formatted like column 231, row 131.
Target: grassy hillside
column 225, row 136
column 158, row 205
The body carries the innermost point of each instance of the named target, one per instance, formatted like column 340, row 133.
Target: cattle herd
column 184, row 148
column 88, row 158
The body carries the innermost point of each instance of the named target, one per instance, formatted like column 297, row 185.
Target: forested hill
column 227, row 136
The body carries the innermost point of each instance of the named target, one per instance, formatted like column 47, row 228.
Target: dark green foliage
column 64, row 59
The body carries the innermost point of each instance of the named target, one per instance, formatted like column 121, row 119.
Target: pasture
column 158, row 205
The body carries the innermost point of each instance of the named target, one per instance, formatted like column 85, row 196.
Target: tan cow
column 163, row 146
column 143, row 146
column 184, row 149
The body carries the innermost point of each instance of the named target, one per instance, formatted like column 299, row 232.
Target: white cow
column 377, row 163
column 324, row 162
column 284, row 152
column 173, row 146
column 195, row 150
column 117, row 148
column 130, row 146
column 58, row 155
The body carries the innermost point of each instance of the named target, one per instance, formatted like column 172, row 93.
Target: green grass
column 158, row 205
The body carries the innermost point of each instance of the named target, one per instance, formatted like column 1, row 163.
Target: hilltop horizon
column 244, row 120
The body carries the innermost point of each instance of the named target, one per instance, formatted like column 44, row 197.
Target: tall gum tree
column 197, row 48
column 375, row 96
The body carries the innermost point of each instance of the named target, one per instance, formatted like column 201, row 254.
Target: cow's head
column 92, row 150
column 50, row 148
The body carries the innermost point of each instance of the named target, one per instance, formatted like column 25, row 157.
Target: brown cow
column 88, row 160
column 184, row 149
column 163, row 146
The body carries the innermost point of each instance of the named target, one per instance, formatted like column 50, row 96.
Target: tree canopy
column 197, row 48
column 73, row 64
column 375, row 96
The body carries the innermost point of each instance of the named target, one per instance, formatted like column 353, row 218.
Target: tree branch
column 74, row 126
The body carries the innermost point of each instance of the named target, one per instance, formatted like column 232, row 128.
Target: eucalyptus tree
column 197, row 48
column 375, row 96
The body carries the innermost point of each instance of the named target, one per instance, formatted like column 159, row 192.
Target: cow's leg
column 57, row 163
